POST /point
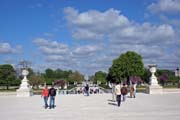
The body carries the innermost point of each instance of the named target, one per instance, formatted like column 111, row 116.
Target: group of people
column 49, row 93
column 86, row 90
column 118, row 90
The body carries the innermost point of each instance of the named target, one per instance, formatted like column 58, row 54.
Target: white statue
column 25, row 89
column 24, row 83
column 153, row 79
column 154, row 87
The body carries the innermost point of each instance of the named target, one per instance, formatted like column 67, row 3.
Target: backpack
column 124, row 90
column 52, row 92
column 132, row 88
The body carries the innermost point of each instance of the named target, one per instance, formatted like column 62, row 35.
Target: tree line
column 9, row 76
column 128, row 67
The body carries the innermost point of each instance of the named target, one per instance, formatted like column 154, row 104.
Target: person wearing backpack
column 124, row 91
column 52, row 94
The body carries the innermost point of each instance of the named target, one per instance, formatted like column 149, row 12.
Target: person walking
column 45, row 95
column 113, row 91
column 87, row 89
column 131, row 91
column 52, row 94
column 118, row 93
column 134, row 92
column 124, row 91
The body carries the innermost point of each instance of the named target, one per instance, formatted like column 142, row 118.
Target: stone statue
column 25, row 89
column 154, row 87
column 153, row 79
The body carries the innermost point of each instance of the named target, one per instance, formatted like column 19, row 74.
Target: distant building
column 177, row 72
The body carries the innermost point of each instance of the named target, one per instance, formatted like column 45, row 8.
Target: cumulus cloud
column 6, row 48
column 143, row 34
column 112, row 24
column 94, row 24
column 51, row 47
column 108, row 34
column 119, row 34
column 52, row 58
column 165, row 6
column 87, row 50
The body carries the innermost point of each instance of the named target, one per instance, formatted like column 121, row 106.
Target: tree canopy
column 128, row 64
column 7, row 73
column 100, row 77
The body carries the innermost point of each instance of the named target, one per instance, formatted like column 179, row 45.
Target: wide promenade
column 94, row 107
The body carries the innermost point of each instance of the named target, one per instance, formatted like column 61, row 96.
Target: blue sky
column 86, row 35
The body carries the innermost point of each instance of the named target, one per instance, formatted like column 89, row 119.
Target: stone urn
column 24, row 89
column 154, row 87
column 153, row 79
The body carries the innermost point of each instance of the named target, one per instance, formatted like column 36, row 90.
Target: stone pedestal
column 154, row 87
column 24, row 89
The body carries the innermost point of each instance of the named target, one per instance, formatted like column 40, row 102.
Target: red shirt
column 45, row 92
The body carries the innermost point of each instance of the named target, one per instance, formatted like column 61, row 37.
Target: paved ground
column 94, row 107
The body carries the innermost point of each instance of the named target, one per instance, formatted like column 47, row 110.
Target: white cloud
column 51, row 47
column 143, row 34
column 171, row 21
column 119, row 34
column 6, row 48
column 165, row 6
column 82, row 34
column 108, row 34
column 52, row 58
column 147, row 52
column 94, row 24
column 41, row 42
column 87, row 50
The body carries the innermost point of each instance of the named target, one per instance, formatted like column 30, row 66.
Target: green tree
column 100, row 77
column 8, row 74
column 31, row 72
column 146, row 76
column 110, row 77
column 91, row 78
column 76, row 77
column 159, row 72
column 58, row 73
column 49, row 73
column 128, row 64
column 36, row 80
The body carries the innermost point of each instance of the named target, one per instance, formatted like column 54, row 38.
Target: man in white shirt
column 118, row 93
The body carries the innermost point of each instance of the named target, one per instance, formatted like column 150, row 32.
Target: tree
column 58, row 73
column 49, row 73
column 75, row 77
column 31, row 72
column 91, row 78
column 163, row 78
column 146, row 76
column 7, row 73
column 127, row 65
column 100, row 77
column 36, row 80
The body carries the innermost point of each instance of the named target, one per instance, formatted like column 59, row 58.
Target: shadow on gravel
column 112, row 102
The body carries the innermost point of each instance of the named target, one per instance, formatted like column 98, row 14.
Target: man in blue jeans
column 52, row 94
